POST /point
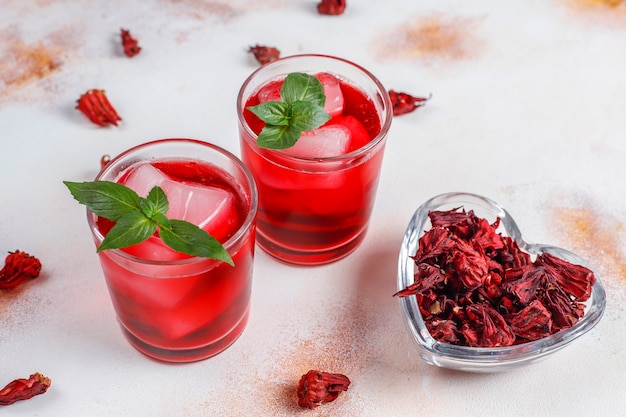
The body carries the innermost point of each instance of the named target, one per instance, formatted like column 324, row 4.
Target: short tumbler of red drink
column 171, row 306
column 316, row 198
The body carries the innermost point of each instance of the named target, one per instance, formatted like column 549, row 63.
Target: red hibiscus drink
column 171, row 306
column 316, row 197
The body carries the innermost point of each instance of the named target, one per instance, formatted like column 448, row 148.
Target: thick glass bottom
column 188, row 355
column 296, row 256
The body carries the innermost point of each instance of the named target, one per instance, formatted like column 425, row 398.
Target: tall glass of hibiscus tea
column 182, row 293
column 312, row 131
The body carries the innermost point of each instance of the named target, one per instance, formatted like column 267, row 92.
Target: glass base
column 188, row 355
column 292, row 256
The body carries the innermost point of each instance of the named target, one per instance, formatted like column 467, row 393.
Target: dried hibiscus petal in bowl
column 466, row 268
column 477, row 297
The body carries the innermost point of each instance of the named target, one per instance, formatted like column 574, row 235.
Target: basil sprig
column 137, row 218
column 300, row 109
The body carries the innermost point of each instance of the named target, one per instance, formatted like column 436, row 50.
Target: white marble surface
column 527, row 108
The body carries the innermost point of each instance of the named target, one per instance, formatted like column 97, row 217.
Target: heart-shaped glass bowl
column 479, row 359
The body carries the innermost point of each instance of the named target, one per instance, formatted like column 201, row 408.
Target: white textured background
column 527, row 108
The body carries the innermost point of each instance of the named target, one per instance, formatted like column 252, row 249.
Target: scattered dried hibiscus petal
column 264, row 54
column 18, row 266
column 403, row 103
column 23, row 389
column 476, row 287
column 96, row 106
column 316, row 388
column 130, row 44
column 331, row 7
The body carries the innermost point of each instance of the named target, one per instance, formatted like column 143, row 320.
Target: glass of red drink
column 172, row 306
column 316, row 198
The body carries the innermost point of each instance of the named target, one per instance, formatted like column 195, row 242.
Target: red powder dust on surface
column 24, row 64
column 434, row 37
column 200, row 9
column 17, row 311
column 598, row 3
column 598, row 238
column 341, row 344
column 607, row 13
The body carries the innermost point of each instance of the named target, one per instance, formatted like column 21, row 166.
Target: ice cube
column 359, row 136
column 332, row 91
column 210, row 208
column 324, row 142
column 154, row 249
column 144, row 177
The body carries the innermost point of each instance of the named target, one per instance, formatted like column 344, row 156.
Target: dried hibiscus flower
column 264, row 54
column 23, row 389
column 316, row 388
column 403, row 103
column 18, row 267
column 476, row 287
column 130, row 44
column 96, row 106
column 331, row 7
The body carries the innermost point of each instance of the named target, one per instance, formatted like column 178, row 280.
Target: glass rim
column 386, row 118
column 241, row 231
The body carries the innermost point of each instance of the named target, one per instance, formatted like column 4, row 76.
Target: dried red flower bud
column 23, row 389
column 403, row 103
column 574, row 279
column 331, row 7
column 18, row 266
column 475, row 287
column 532, row 322
column 130, row 44
column 96, row 106
column 316, row 388
column 444, row 330
column 264, row 54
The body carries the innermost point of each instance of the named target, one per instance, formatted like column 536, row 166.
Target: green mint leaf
column 272, row 112
column 302, row 87
column 137, row 219
column 155, row 205
column 278, row 137
column 159, row 199
column 104, row 198
column 188, row 238
column 129, row 230
column 301, row 110
column 308, row 116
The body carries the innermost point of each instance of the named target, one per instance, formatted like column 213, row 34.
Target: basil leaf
column 308, row 116
column 302, row 87
column 105, row 198
column 130, row 229
column 302, row 109
column 188, row 238
column 278, row 137
column 272, row 112
column 159, row 199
